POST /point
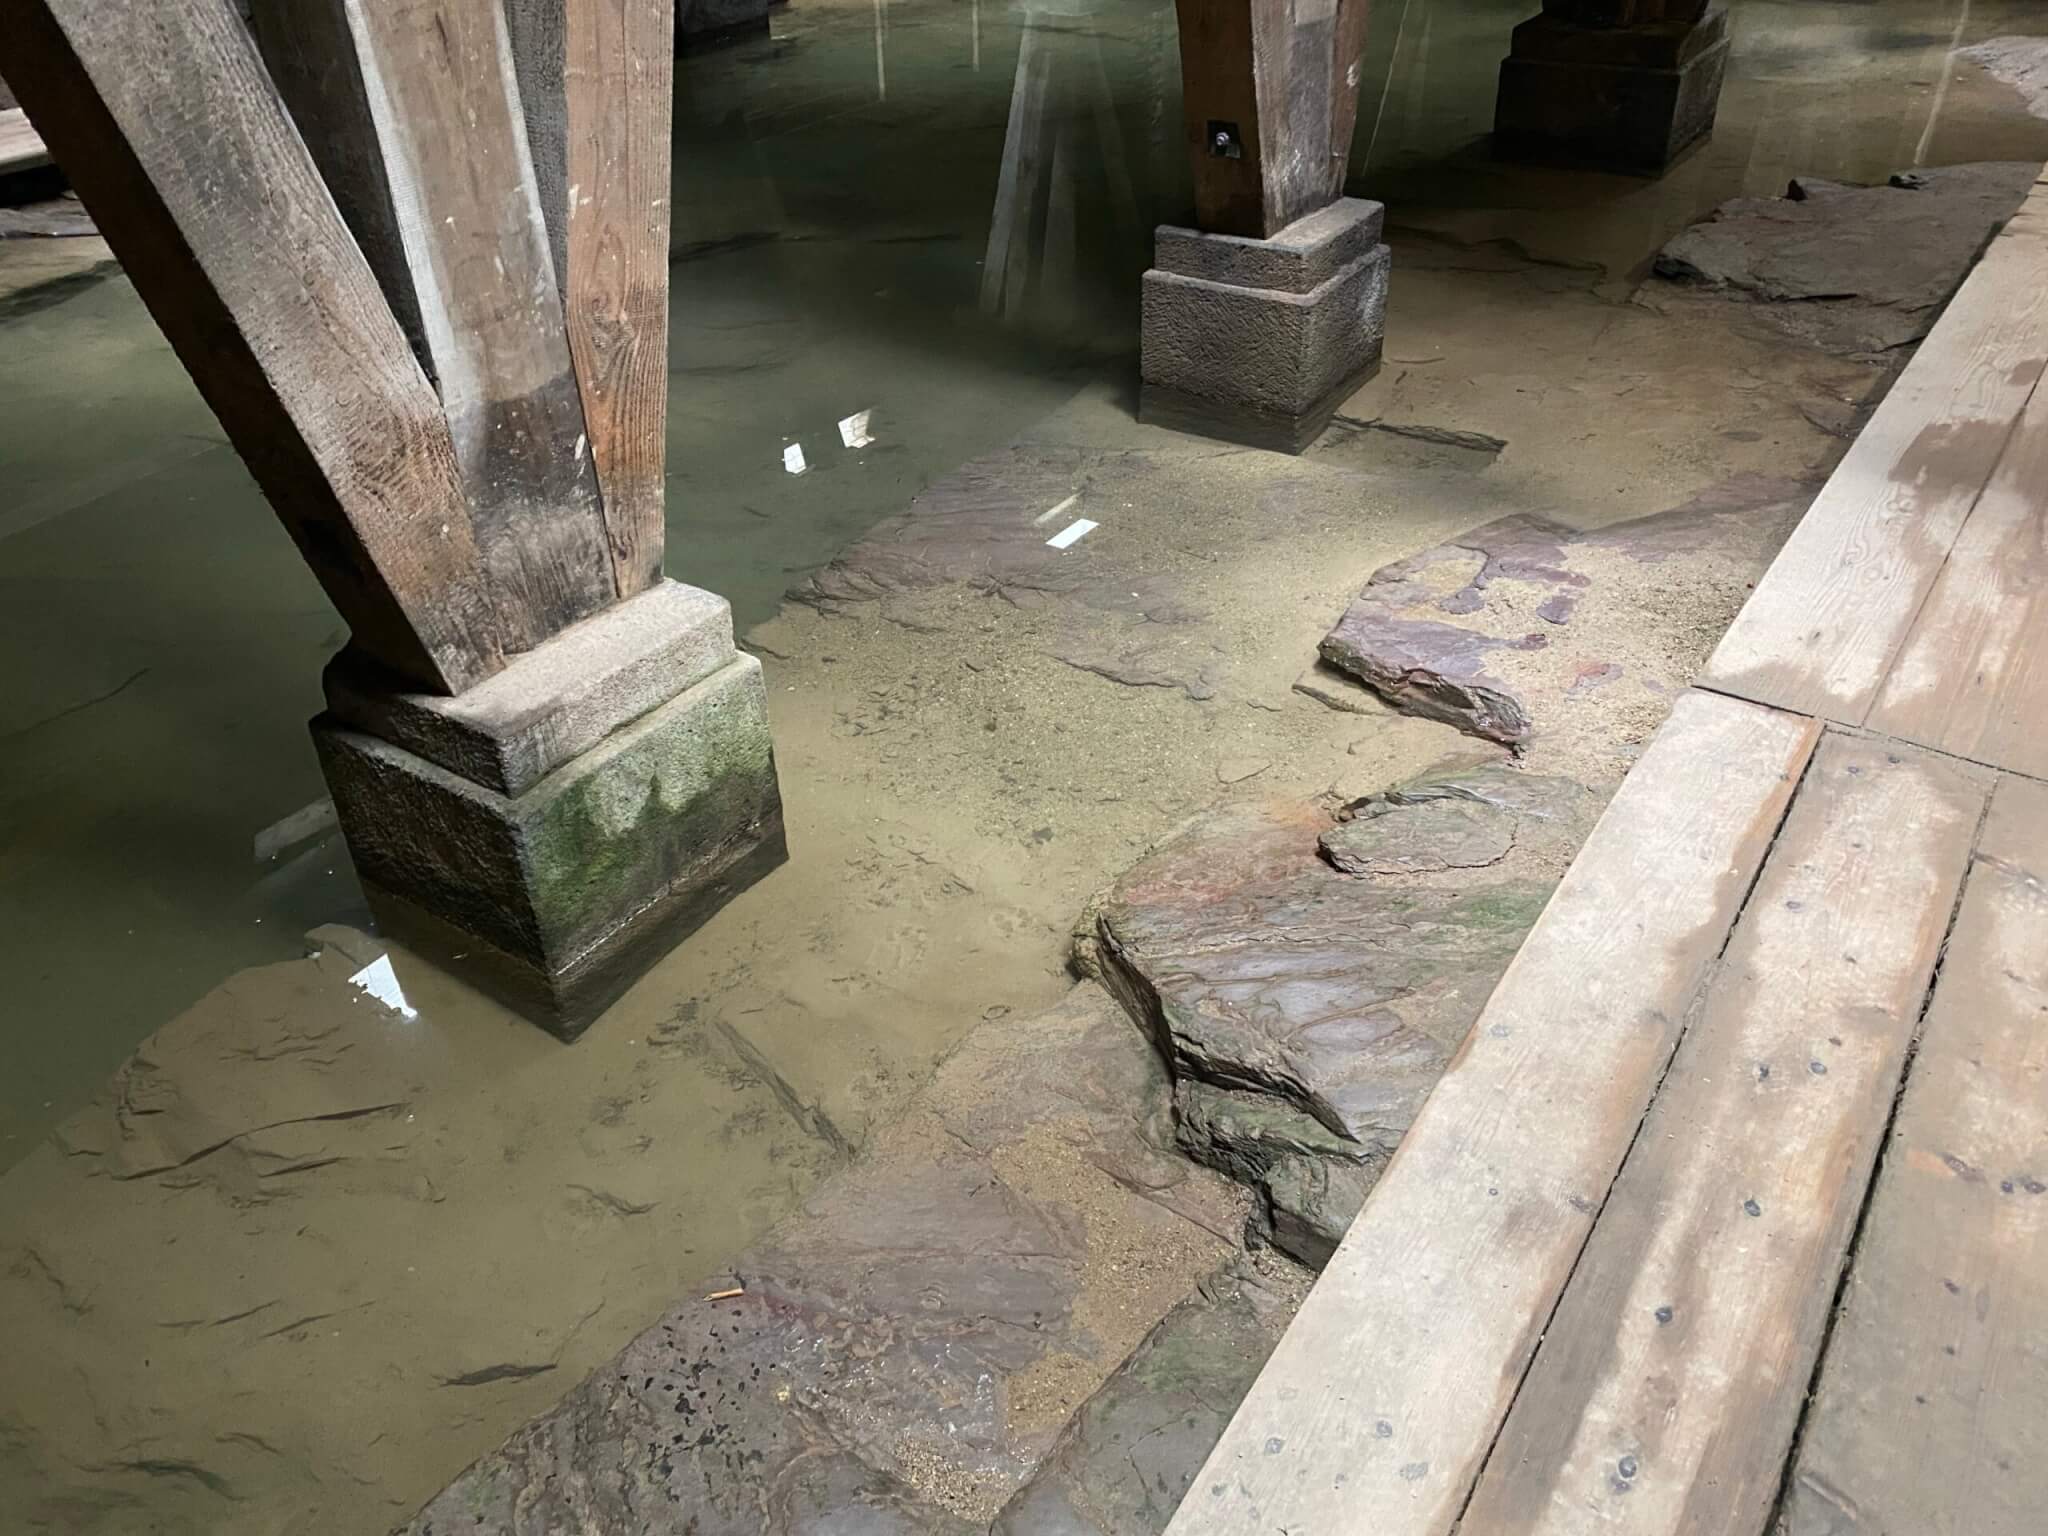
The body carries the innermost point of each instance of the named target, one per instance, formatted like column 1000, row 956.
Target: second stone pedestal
column 1259, row 341
column 554, row 831
column 1624, row 85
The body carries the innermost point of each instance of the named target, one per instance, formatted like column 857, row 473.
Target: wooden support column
column 167, row 122
column 596, row 78
column 434, row 85
column 1270, row 97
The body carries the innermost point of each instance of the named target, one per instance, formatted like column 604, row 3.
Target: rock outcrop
column 1498, row 631
column 1857, row 270
column 1305, row 1011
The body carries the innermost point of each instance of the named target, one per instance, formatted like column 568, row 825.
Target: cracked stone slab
column 901, row 1354
column 1128, row 1457
column 1854, row 269
column 1306, row 1012
column 1491, row 631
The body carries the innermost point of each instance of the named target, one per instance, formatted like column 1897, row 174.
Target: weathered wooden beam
column 1269, row 97
column 312, row 59
column 168, row 124
column 596, row 79
column 445, row 105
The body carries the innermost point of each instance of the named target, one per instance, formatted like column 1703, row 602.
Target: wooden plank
column 1819, row 633
column 1972, row 678
column 168, row 124
column 1345, row 63
column 1217, row 87
column 1305, row 87
column 1378, row 1406
column 448, row 118
column 21, row 147
column 1932, row 1412
column 2016, row 831
column 1668, row 1385
column 596, row 80
column 312, row 59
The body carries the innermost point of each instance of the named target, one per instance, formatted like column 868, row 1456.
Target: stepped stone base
column 1259, row 341
column 552, row 833
column 1628, row 98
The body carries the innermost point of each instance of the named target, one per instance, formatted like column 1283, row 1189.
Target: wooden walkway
column 1732, row 1214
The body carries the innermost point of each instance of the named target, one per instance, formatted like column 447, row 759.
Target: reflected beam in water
column 1948, row 69
column 881, row 58
column 1063, row 153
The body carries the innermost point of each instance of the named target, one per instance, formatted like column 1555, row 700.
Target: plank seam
column 1912, row 625
column 1872, row 733
column 1854, row 1246
column 1694, row 1005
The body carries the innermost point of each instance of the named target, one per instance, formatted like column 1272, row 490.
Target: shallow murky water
column 837, row 189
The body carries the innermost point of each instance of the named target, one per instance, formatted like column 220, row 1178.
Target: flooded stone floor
column 300, row 1261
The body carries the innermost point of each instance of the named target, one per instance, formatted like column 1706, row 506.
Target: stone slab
column 900, row 1355
column 1306, row 1013
column 1300, row 258
column 1855, row 269
column 1502, row 630
column 557, row 898
column 1626, row 99
column 556, row 701
column 1125, row 1461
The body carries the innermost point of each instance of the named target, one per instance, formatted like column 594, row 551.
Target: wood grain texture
column 621, row 90
column 538, row 33
column 1345, row 65
column 596, row 82
column 2016, row 831
column 1286, row 73
column 1932, row 1412
column 1376, row 1410
column 21, row 147
column 1972, row 678
column 311, row 55
column 176, row 139
column 446, row 105
column 1819, row 633
column 1217, row 86
column 1668, row 1385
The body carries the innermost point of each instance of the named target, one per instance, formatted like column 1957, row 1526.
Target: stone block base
column 1629, row 98
column 1259, row 341
column 710, row 23
column 611, row 791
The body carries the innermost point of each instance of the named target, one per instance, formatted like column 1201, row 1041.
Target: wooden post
column 167, row 122
column 1270, row 96
column 596, row 79
column 448, row 143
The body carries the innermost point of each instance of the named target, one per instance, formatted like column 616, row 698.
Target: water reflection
column 925, row 215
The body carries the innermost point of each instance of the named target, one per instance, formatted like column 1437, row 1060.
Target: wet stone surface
column 1124, row 1462
column 901, row 1354
column 1307, row 1012
column 1852, row 269
column 1492, row 631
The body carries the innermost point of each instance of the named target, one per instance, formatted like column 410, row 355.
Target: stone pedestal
column 709, row 23
column 552, row 832
column 1622, row 84
column 1259, row 341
